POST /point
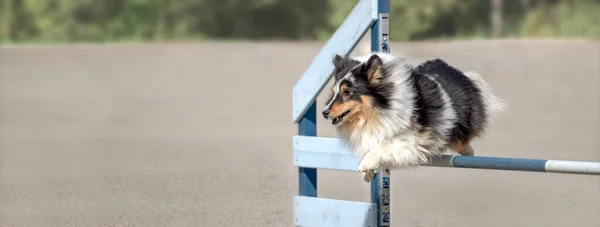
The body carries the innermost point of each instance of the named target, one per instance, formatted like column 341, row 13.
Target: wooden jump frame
column 312, row 152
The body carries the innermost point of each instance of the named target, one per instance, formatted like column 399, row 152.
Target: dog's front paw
column 368, row 175
column 368, row 165
column 468, row 151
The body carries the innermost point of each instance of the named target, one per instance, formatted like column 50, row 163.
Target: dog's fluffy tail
column 493, row 104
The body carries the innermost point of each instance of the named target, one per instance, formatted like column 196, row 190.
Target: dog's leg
column 371, row 162
column 368, row 175
column 463, row 149
column 467, row 150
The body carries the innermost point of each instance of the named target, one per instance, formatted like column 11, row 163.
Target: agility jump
column 312, row 152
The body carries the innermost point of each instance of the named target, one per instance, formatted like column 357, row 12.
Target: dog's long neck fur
column 375, row 125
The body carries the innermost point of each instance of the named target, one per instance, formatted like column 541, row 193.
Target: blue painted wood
column 307, row 126
column 518, row 164
column 375, row 196
column 383, row 6
column 310, row 211
column 320, row 70
column 323, row 153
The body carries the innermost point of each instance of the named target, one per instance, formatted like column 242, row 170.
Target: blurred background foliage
column 156, row 20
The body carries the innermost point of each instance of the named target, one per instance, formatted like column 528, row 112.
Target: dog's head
column 359, row 89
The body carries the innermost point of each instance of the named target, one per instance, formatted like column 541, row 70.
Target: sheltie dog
column 394, row 114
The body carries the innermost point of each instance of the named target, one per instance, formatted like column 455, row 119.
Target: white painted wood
column 323, row 153
column 578, row 167
column 321, row 212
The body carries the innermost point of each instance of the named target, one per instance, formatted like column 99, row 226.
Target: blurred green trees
column 149, row 20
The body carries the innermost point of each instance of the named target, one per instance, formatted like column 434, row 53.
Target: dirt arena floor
column 201, row 135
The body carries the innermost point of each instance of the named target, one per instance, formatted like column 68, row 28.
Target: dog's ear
column 372, row 69
column 338, row 62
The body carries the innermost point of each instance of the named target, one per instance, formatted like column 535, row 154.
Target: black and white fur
column 403, row 114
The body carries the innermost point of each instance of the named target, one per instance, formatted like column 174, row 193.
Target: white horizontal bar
column 578, row 167
column 324, row 153
column 320, row 212
column 342, row 42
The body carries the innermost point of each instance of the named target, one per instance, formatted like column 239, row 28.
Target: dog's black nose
column 326, row 113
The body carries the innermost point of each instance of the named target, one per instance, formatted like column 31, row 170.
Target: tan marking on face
column 367, row 107
column 366, row 100
column 340, row 107
column 343, row 88
column 355, row 115
column 362, row 112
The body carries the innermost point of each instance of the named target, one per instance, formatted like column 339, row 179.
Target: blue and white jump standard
column 312, row 152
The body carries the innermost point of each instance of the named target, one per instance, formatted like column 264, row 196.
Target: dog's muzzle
column 338, row 119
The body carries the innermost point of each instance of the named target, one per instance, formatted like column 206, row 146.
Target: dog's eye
column 347, row 92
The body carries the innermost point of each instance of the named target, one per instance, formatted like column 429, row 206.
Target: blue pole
column 307, row 126
column 380, row 186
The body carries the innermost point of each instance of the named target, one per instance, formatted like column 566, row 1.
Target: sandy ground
column 201, row 135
